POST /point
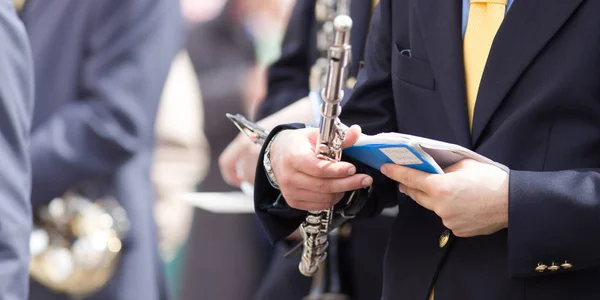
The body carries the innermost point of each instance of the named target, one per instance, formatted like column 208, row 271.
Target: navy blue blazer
column 537, row 112
column 100, row 67
column 288, row 77
column 16, row 112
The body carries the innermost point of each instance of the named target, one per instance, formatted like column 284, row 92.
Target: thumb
column 227, row 164
column 350, row 139
column 352, row 135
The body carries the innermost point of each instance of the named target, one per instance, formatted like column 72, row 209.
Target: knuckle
column 462, row 163
column 222, row 162
column 442, row 212
column 322, row 186
column 290, row 198
column 284, row 180
column 225, row 167
column 440, row 190
column 289, row 159
column 292, row 204
column 286, row 193
column 436, row 192
column 447, row 223
column 321, row 169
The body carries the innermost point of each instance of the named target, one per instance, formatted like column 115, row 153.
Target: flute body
column 315, row 227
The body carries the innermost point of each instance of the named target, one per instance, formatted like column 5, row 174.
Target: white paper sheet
column 221, row 203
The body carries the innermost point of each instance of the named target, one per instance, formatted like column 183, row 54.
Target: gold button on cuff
column 444, row 238
column 553, row 267
column 566, row 265
column 541, row 268
column 351, row 82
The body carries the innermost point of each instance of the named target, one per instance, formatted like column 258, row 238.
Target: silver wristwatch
column 267, row 164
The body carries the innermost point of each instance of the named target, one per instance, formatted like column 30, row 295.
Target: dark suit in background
column 100, row 67
column 226, row 254
column 288, row 81
column 537, row 112
column 16, row 111
column 288, row 77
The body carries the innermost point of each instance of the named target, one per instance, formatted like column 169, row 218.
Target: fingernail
column 351, row 170
column 383, row 170
column 367, row 181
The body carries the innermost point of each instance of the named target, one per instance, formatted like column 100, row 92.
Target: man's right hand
column 307, row 182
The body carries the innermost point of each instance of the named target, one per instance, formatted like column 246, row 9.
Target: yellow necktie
column 485, row 17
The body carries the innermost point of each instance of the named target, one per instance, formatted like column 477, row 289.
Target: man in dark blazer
column 16, row 100
column 100, row 67
column 288, row 81
column 475, row 232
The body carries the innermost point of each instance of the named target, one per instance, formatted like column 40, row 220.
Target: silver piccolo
column 316, row 225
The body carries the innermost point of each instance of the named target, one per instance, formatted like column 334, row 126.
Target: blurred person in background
column 225, row 255
column 180, row 161
column 286, row 101
column 100, row 68
column 16, row 112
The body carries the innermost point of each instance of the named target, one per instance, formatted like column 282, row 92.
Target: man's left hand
column 471, row 197
column 238, row 161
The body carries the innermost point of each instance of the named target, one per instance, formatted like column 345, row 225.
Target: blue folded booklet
column 412, row 151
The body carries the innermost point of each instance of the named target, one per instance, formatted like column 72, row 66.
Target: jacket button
column 444, row 238
column 541, row 268
column 566, row 265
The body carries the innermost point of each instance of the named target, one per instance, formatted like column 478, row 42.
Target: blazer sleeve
column 16, row 110
column 277, row 218
column 287, row 78
column 553, row 217
column 122, row 76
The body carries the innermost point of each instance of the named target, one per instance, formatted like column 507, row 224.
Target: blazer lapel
column 526, row 29
column 440, row 22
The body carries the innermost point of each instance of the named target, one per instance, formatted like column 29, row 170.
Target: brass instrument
column 76, row 244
